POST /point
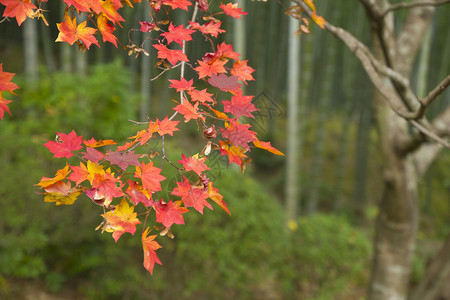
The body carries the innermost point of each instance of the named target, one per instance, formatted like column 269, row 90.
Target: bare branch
column 416, row 3
column 373, row 67
column 183, row 63
column 436, row 91
column 430, row 133
column 440, row 127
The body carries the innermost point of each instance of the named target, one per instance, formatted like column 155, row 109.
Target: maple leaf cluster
column 119, row 179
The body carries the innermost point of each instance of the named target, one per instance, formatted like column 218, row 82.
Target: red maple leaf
column 150, row 246
column 169, row 213
column 173, row 56
column 182, row 84
column 108, row 187
column 167, row 127
column 123, row 160
column 239, row 105
column 201, row 96
column 225, row 50
column 146, row 26
column 242, row 71
column 177, row 34
column 192, row 196
column 211, row 28
column 106, row 30
column 207, row 69
column 68, row 143
column 232, row 10
column 224, row 83
column 193, row 163
column 69, row 32
column 19, row 9
column 150, row 177
column 238, row 134
column 189, row 111
column 138, row 194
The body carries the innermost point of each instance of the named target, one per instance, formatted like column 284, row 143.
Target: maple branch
column 183, row 63
column 370, row 64
column 383, row 27
column 429, row 132
column 416, row 3
column 436, row 91
column 439, row 128
column 404, row 102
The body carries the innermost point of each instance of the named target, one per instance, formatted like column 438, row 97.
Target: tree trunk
column 397, row 222
column 437, row 275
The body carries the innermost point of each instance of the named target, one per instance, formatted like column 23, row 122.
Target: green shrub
column 331, row 258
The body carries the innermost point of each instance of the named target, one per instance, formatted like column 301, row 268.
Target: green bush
column 331, row 258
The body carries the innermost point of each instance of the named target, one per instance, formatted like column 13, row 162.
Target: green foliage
column 331, row 258
column 36, row 239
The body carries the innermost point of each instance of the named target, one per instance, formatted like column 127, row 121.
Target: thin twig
column 430, row 133
column 183, row 63
column 436, row 91
column 414, row 4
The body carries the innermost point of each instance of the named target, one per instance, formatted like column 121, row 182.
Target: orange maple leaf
column 183, row 4
column 150, row 246
column 207, row 69
column 4, row 106
column 267, row 146
column 109, row 9
column 167, row 126
column 194, row 163
column 232, row 10
column 19, row 9
column 122, row 219
column 242, row 71
column 201, row 96
column 150, row 176
column 189, row 111
column 173, row 56
column 106, row 30
column 69, row 32
column 5, row 81
column 217, row 197
column 5, row 85
column 60, row 175
column 94, row 144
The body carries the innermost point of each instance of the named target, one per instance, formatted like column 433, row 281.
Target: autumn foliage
column 124, row 183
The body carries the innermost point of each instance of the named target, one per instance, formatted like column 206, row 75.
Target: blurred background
column 49, row 252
